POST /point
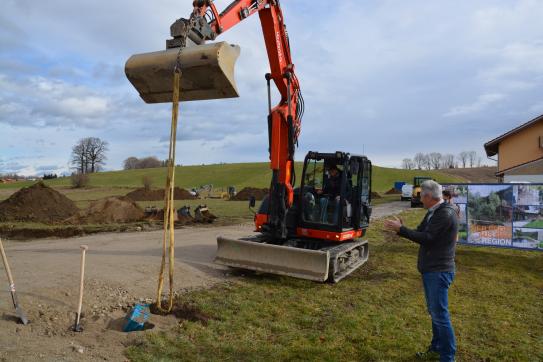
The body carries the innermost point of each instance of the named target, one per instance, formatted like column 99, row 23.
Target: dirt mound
column 393, row 191
column 158, row 194
column 375, row 195
column 37, row 203
column 142, row 194
column 109, row 210
column 247, row 192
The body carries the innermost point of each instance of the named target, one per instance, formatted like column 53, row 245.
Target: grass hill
column 235, row 174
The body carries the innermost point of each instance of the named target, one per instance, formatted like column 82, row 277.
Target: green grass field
column 536, row 224
column 223, row 175
column 376, row 314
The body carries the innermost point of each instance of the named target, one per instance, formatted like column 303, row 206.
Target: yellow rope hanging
column 169, row 231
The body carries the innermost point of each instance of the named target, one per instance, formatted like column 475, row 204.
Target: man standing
column 436, row 235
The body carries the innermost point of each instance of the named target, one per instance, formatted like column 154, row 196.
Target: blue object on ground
column 398, row 185
column 136, row 318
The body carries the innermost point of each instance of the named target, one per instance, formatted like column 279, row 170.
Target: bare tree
column 447, row 161
column 435, row 160
column 408, row 164
column 130, row 163
column 96, row 153
column 463, row 158
column 419, row 160
column 79, row 180
column 79, row 158
column 88, row 155
column 427, row 163
column 149, row 162
column 472, row 157
column 147, row 182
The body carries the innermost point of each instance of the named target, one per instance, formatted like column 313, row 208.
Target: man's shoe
column 429, row 355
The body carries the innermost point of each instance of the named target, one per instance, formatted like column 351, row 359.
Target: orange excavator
column 313, row 231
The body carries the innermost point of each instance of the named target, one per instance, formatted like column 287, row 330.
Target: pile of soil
column 109, row 210
column 375, row 195
column 37, row 203
column 158, row 194
column 393, row 191
column 247, row 192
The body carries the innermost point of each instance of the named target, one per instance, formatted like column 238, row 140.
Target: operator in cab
column 330, row 192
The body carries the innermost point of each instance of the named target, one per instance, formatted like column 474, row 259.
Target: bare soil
column 393, row 191
column 122, row 269
column 109, row 210
column 37, row 203
column 246, row 193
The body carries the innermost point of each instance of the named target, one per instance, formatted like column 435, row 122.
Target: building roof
column 491, row 147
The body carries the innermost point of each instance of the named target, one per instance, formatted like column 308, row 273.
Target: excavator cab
column 324, row 225
column 335, row 193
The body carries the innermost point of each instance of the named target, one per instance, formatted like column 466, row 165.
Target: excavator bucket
column 274, row 259
column 207, row 73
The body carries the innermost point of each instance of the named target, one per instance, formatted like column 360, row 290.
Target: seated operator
column 331, row 191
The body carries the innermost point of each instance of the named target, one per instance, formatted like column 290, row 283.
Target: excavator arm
column 284, row 120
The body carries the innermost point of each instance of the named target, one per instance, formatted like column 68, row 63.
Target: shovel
column 18, row 310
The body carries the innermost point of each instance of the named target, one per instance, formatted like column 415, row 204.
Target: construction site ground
column 121, row 270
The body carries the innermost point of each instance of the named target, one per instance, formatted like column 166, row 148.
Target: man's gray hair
column 431, row 188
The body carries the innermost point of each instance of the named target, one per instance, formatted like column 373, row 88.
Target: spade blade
column 21, row 315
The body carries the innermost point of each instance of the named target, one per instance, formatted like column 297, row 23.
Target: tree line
column 133, row 163
column 436, row 160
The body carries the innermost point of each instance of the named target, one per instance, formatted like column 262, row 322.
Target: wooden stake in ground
column 77, row 325
column 18, row 310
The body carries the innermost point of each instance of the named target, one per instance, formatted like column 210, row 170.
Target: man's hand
column 393, row 224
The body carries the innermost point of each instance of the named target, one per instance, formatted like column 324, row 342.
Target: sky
column 383, row 78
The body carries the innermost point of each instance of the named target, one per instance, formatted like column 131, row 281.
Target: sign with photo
column 504, row 215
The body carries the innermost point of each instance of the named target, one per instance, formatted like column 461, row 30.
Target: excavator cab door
column 360, row 170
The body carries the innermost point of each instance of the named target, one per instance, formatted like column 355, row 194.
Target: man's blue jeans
column 436, row 290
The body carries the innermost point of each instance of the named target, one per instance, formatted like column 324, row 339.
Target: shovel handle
column 6, row 265
column 84, row 249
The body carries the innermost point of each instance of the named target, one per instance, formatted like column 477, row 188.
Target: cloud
column 42, row 102
column 482, row 102
column 371, row 84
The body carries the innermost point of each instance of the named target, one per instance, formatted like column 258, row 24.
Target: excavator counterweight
column 207, row 72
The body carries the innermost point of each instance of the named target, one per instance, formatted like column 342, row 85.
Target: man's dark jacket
column 437, row 239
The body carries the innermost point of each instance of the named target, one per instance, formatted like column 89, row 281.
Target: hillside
column 476, row 174
column 236, row 174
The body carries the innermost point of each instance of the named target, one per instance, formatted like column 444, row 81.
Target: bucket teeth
column 207, row 72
